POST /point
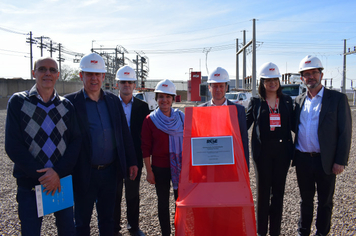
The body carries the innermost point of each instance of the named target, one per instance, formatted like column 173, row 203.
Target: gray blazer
column 334, row 131
column 243, row 127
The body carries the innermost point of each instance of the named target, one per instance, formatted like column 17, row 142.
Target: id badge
column 274, row 120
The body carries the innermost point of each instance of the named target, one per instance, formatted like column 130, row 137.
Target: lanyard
column 275, row 106
column 274, row 117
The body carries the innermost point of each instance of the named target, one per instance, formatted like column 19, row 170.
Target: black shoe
column 137, row 232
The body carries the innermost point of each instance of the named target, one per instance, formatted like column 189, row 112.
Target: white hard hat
column 268, row 70
column 166, row 86
column 310, row 62
column 219, row 75
column 92, row 63
column 126, row 73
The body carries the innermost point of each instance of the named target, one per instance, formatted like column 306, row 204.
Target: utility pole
column 254, row 58
column 137, row 67
column 42, row 45
column 92, row 49
column 244, row 60
column 344, row 66
column 344, row 70
column 237, row 65
column 31, row 41
column 206, row 51
column 51, row 49
column 60, row 59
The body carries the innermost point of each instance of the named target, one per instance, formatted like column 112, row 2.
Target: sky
column 176, row 35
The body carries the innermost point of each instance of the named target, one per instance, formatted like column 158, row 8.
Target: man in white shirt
column 218, row 87
column 322, row 142
column 135, row 112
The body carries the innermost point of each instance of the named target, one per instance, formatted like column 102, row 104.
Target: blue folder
column 47, row 204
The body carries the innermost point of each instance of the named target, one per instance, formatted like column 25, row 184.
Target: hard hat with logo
column 166, row 86
column 219, row 75
column 310, row 62
column 268, row 70
column 92, row 62
column 126, row 73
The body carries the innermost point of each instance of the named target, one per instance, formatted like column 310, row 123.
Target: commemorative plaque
column 212, row 151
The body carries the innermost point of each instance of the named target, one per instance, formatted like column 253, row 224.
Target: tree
column 70, row 74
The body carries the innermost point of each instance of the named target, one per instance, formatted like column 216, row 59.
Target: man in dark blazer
column 106, row 152
column 323, row 139
column 135, row 112
column 218, row 87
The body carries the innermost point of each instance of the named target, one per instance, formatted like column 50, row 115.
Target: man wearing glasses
column 42, row 138
column 323, row 139
column 107, row 153
column 135, row 112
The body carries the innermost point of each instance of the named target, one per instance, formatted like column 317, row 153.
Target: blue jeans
column 102, row 191
column 31, row 224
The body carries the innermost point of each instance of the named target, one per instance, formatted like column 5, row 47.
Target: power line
column 12, row 31
column 13, row 51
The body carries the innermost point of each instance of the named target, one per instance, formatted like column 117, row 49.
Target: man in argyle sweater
column 42, row 138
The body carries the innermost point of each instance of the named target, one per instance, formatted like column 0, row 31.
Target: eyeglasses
column 124, row 82
column 271, row 80
column 43, row 69
column 314, row 73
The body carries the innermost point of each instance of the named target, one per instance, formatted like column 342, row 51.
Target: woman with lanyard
column 162, row 141
column 271, row 114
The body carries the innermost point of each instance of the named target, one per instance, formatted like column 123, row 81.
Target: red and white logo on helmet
column 268, row 70
column 126, row 73
column 92, row 63
column 166, row 86
column 310, row 62
column 219, row 75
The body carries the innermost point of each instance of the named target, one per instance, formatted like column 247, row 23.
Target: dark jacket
column 334, row 130
column 139, row 112
column 243, row 128
column 124, row 146
column 253, row 117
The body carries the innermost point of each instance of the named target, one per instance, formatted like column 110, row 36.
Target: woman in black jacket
column 271, row 113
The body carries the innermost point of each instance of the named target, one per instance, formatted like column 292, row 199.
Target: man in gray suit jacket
column 218, row 86
column 323, row 139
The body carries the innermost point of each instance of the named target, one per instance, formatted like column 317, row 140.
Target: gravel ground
column 344, row 213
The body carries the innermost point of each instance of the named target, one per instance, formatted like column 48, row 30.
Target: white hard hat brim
column 125, row 79
column 93, row 70
column 161, row 91
column 215, row 81
column 270, row 76
column 310, row 68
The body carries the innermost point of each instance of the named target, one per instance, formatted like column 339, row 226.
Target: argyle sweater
column 40, row 135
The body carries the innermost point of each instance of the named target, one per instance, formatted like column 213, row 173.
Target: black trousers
column 163, row 185
column 311, row 177
column 132, row 195
column 271, row 173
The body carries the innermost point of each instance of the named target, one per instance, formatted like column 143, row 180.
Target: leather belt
column 311, row 154
column 101, row 167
